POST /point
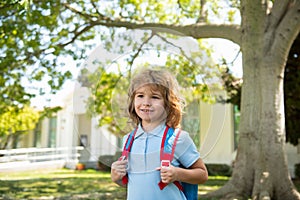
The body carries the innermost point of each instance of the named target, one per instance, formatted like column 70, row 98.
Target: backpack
column 166, row 156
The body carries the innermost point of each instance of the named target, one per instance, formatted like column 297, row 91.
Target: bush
column 105, row 161
column 219, row 169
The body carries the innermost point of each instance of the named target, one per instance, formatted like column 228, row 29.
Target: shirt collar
column 157, row 131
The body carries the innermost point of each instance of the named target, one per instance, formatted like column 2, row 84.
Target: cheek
column 136, row 103
column 160, row 106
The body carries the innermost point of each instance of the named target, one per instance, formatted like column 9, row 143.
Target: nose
column 146, row 104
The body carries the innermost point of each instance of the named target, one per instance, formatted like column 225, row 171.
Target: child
column 154, row 103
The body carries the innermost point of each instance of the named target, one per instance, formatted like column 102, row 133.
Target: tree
column 291, row 86
column 27, row 52
column 265, row 35
column 14, row 123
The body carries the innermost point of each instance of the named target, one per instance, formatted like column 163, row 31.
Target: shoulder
column 184, row 136
column 178, row 137
column 186, row 150
column 125, row 137
column 184, row 142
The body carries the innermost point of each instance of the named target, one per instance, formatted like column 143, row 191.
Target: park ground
column 73, row 184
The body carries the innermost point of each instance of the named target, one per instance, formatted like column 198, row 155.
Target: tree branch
column 84, row 15
column 197, row 31
column 202, row 12
column 277, row 11
column 140, row 49
column 77, row 34
column 289, row 28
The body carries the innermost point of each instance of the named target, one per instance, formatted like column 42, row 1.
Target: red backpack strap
column 126, row 150
column 168, row 154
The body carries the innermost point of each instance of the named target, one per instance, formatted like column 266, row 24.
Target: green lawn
column 71, row 184
column 65, row 184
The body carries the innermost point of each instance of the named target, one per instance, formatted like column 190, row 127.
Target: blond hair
column 164, row 82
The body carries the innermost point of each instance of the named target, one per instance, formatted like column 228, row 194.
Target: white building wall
column 216, row 133
column 102, row 141
column 66, row 124
column 61, row 128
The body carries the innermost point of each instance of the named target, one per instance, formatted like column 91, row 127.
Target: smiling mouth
column 146, row 110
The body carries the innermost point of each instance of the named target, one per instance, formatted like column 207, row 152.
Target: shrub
column 219, row 169
column 105, row 161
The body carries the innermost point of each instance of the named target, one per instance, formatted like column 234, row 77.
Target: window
column 52, row 132
column 37, row 135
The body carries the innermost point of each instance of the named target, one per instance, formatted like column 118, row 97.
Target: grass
column 71, row 184
column 62, row 184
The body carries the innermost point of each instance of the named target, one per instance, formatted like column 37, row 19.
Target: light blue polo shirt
column 144, row 158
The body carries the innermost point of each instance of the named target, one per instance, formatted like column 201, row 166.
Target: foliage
column 48, row 112
column 102, row 85
column 292, row 87
column 44, row 31
column 29, row 52
column 15, row 122
column 18, row 121
column 233, row 87
column 219, row 170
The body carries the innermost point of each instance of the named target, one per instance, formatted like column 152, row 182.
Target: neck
column 150, row 126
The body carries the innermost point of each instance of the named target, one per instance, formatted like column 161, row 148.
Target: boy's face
column 149, row 105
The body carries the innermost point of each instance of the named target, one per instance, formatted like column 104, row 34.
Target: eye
column 139, row 96
column 156, row 97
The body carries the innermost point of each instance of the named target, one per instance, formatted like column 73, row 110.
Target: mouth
column 147, row 110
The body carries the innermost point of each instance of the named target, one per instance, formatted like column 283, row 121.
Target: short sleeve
column 186, row 151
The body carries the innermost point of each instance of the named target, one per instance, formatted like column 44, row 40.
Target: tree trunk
column 260, row 170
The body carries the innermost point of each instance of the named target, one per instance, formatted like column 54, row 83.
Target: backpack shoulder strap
column 128, row 143
column 177, row 132
column 167, row 151
column 168, row 143
column 126, row 150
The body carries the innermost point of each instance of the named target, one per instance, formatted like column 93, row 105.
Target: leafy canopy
column 16, row 121
column 35, row 34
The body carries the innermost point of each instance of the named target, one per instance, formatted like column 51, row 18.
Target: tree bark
column 260, row 170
